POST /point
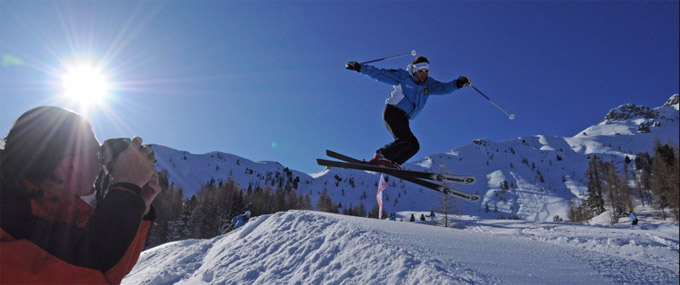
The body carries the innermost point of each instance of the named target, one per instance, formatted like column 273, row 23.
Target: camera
column 106, row 159
column 117, row 146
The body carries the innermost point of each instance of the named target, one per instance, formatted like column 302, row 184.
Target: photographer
column 47, row 233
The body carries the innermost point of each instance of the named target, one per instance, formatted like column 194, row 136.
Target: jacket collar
column 53, row 205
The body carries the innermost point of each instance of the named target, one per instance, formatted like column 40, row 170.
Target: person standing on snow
column 241, row 220
column 412, row 88
column 633, row 218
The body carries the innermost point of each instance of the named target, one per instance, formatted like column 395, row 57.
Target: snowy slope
column 303, row 247
column 542, row 173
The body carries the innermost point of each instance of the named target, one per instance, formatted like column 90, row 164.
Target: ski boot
column 380, row 160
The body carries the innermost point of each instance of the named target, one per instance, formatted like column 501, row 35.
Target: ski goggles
column 420, row 67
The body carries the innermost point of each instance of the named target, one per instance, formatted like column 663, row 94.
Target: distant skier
column 432, row 215
column 633, row 218
column 413, row 218
column 392, row 217
column 241, row 220
column 412, row 88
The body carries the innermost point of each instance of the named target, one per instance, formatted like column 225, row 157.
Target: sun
column 85, row 85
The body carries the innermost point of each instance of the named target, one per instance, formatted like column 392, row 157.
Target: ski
column 431, row 185
column 385, row 170
column 463, row 180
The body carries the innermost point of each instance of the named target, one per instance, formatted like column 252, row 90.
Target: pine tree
column 674, row 182
column 665, row 178
column 578, row 211
column 595, row 200
column 625, row 188
column 361, row 209
column 643, row 181
column 375, row 211
column 540, row 176
column 617, row 192
column 325, row 203
column 168, row 206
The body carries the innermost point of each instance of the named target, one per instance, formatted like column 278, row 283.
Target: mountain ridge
column 530, row 177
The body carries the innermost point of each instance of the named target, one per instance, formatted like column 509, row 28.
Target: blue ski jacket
column 240, row 220
column 408, row 95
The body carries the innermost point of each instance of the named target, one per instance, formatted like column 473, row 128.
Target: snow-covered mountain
column 531, row 177
column 304, row 247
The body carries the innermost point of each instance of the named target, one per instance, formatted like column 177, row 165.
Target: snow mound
column 303, row 247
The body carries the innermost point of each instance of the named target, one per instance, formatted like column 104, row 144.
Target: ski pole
column 413, row 53
column 510, row 116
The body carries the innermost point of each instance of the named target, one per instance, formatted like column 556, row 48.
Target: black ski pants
column 405, row 144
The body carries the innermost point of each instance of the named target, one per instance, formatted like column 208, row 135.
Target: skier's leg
column 413, row 148
column 405, row 145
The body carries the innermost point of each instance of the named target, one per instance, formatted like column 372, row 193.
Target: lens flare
column 10, row 60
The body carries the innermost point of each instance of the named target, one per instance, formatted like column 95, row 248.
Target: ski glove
column 463, row 82
column 353, row 65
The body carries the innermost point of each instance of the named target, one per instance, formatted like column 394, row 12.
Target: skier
column 412, row 88
column 432, row 215
column 633, row 218
column 241, row 220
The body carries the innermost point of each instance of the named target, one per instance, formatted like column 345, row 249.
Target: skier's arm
column 238, row 219
column 441, row 88
column 389, row 76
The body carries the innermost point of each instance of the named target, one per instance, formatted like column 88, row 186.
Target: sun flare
column 85, row 85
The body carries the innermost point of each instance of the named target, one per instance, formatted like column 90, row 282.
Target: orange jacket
column 54, row 238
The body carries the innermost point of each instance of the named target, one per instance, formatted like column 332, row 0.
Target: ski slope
column 305, row 247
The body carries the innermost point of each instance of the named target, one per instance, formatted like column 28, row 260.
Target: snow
column 306, row 247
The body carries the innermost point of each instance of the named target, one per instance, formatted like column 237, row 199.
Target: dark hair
column 35, row 145
column 420, row 59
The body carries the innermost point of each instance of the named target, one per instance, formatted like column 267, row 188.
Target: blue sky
column 266, row 80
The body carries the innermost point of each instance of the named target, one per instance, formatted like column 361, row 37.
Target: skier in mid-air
column 412, row 88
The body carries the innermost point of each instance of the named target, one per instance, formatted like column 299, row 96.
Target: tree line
column 653, row 180
column 208, row 213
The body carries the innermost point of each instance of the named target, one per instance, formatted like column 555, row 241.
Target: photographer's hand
column 150, row 191
column 134, row 165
